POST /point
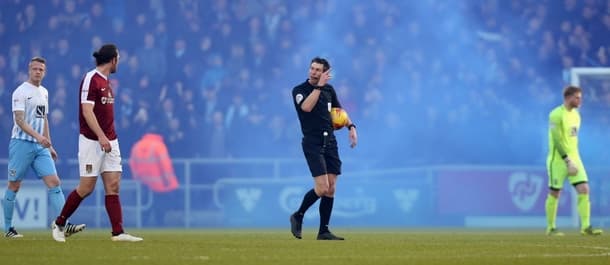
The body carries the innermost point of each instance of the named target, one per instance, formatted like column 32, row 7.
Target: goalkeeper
column 563, row 161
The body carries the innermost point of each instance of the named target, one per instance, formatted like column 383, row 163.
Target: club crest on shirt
column 298, row 98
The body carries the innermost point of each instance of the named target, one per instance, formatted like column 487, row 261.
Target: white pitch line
column 196, row 258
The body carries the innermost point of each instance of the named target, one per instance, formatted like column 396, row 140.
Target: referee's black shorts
column 322, row 158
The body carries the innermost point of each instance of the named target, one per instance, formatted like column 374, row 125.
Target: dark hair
column 571, row 90
column 321, row 61
column 38, row 59
column 105, row 54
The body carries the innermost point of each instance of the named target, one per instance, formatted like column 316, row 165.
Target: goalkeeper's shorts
column 558, row 172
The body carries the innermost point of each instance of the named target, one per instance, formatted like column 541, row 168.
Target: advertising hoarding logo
column 30, row 207
column 290, row 198
column 355, row 206
column 406, row 198
column 248, row 197
column 524, row 189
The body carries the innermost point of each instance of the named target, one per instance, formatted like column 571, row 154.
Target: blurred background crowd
column 427, row 82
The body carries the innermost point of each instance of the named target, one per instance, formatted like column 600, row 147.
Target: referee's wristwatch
column 349, row 127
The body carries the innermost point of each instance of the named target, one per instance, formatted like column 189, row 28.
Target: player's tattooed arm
column 19, row 117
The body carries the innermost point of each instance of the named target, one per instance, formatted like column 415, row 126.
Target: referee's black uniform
column 319, row 142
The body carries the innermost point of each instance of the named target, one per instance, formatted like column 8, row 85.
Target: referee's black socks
column 309, row 199
column 326, row 208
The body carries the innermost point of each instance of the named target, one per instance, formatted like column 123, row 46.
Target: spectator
column 460, row 60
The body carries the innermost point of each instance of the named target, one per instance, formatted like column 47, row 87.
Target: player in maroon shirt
column 98, row 146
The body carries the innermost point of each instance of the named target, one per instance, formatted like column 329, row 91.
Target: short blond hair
column 38, row 59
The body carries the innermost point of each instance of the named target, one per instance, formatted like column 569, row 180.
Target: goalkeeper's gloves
column 572, row 169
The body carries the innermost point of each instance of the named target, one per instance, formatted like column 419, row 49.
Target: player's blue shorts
column 24, row 154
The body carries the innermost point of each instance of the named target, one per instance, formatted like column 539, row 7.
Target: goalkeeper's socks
column 326, row 208
column 308, row 200
column 551, row 210
column 584, row 210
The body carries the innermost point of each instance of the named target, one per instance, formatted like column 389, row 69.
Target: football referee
column 313, row 101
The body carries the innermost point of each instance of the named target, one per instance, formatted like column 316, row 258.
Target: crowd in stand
column 423, row 79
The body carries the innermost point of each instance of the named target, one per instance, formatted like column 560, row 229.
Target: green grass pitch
column 363, row 246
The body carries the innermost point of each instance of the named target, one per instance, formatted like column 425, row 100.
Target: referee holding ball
column 313, row 101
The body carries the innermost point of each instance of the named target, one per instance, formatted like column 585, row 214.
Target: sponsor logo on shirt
column 108, row 100
column 40, row 111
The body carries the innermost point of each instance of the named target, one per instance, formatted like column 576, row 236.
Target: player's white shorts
column 92, row 161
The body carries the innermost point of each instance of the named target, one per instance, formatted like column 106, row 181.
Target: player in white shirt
column 30, row 146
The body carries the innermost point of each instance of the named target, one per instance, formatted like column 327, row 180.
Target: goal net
column 594, row 139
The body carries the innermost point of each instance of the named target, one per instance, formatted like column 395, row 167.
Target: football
column 339, row 117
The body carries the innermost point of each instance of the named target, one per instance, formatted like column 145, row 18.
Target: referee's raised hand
column 324, row 77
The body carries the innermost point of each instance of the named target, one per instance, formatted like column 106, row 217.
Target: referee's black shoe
column 296, row 225
column 329, row 236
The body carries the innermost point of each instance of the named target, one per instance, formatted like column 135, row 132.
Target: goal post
column 576, row 73
column 595, row 81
